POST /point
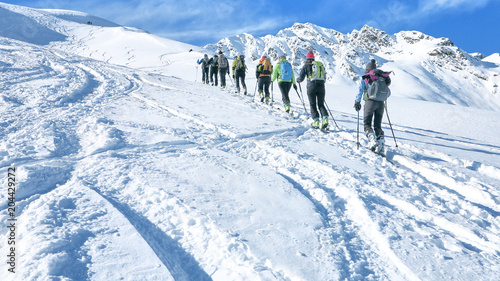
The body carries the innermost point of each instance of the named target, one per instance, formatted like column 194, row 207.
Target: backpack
column 379, row 82
column 222, row 61
column 267, row 67
column 240, row 63
column 205, row 64
column 286, row 71
column 214, row 62
column 318, row 71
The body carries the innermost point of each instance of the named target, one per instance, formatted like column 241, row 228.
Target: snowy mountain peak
column 371, row 39
column 439, row 70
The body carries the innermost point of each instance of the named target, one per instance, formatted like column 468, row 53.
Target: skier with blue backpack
column 286, row 78
column 374, row 89
column 315, row 73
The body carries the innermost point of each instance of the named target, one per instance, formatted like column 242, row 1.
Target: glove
column 233, row 76
column 357, row 106
column 295, row 87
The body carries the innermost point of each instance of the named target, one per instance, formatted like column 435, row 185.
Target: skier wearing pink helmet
column 315, row 73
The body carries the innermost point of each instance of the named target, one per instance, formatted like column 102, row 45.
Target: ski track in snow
column 85, row 153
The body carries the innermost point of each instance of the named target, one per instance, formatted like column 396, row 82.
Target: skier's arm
column 302, row 75
column 361, row 90
column 275, row 72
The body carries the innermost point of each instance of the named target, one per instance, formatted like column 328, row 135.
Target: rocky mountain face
column 441, row 67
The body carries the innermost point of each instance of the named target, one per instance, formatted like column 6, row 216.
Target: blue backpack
column 286, row 71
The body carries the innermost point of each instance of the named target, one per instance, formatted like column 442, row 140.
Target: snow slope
column 140, row 173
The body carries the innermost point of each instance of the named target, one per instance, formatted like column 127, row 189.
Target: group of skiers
column 373, row 88
column 216, row 66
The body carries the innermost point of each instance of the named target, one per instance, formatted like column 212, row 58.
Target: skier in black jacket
column 214, row 69
column 315, row 73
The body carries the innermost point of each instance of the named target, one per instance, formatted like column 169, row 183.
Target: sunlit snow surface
column 128, row 168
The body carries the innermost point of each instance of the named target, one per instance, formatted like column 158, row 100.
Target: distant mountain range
column 425, row 67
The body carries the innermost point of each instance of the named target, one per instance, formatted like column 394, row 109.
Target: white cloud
column 433, row 6
column 215, row 34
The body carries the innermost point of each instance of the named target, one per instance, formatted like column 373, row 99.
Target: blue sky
column 470, row 24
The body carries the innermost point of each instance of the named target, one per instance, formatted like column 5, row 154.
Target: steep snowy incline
column 125, row 174
column 89, row 36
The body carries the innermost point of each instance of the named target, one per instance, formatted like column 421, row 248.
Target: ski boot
column 372, row 142
column 324, row 123
column 287, row 107
column 261, row 94
column 315, row 124
column 245, row 93
column 267, row 100
column 380, row 149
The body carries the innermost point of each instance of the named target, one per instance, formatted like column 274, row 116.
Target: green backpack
column 240, row 63
column 318, row 71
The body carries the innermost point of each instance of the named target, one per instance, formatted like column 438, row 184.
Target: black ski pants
column 374, row 110
column 222, row 74
column 316, row 95
column 264, row 83
column 285, row 90
column 240, row 75
column 204, row 75
column 213, row 74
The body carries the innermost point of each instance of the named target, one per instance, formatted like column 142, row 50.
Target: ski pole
column 272, row 91
column 332, row 115
column 358, row 131
column 387, row 112
column 196, row 78
column 231, row 78
column 255, row 91
column 300, row 88
column 303, row 104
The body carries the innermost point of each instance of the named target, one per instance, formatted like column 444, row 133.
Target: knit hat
column 310, row 55
column 371, row 66
column 264, row 57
